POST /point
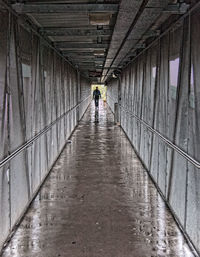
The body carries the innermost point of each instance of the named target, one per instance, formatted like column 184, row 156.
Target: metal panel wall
column 37, row 88
column 161, row 89
column 112, row 94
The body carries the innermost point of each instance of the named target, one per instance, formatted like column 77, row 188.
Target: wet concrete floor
column 98, row 202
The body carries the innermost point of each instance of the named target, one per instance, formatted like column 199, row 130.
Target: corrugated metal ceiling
column 67, row 24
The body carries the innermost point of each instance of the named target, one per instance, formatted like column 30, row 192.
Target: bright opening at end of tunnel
column 102, row 88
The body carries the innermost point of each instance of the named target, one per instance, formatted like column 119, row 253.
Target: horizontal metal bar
column 33, row 139
column 89, row 59
column 66, row 45
column 89, row 68
column 64, row 8
column 75, row 32
column 179, row 8
column 101, row 67
column 164, row 139
column 80, row 54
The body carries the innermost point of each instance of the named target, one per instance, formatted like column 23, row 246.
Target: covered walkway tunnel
column 118, row 180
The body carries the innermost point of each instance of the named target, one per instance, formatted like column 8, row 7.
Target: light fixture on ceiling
column 114, row 76
column 99, row 52
column 116, row 73
column 99, row 19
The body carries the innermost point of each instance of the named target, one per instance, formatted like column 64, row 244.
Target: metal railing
column 164, row 139
column 38, row 135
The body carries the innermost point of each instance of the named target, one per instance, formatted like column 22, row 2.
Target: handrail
column 167, row 141
column 43, row 131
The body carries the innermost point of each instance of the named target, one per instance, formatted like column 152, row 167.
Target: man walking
column 96, row 96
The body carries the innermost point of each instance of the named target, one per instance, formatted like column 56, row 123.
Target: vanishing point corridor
column 98, row 201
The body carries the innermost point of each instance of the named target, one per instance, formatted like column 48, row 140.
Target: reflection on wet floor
column 98, row 202
column 96, row 116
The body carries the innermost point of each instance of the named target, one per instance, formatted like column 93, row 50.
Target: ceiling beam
column 86, row 59
column 89, row 68
column 79, row 51
column 75, row 32
column 94, row 67
column 80, row 27
column 64, row 8
column 179, row 8
column 66, row 45
column 84, row 54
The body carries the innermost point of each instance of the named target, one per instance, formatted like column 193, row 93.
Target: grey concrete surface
column 98, row 202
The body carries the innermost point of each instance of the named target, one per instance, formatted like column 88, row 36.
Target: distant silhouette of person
column 96, row 96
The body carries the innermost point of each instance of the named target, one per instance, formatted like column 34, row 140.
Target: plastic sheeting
column 162, row 88
column 36, row 88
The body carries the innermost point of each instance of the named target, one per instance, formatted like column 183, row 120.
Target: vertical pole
column 116, row 113
column 8, row 115
column 119, row 99
column 78, row 95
